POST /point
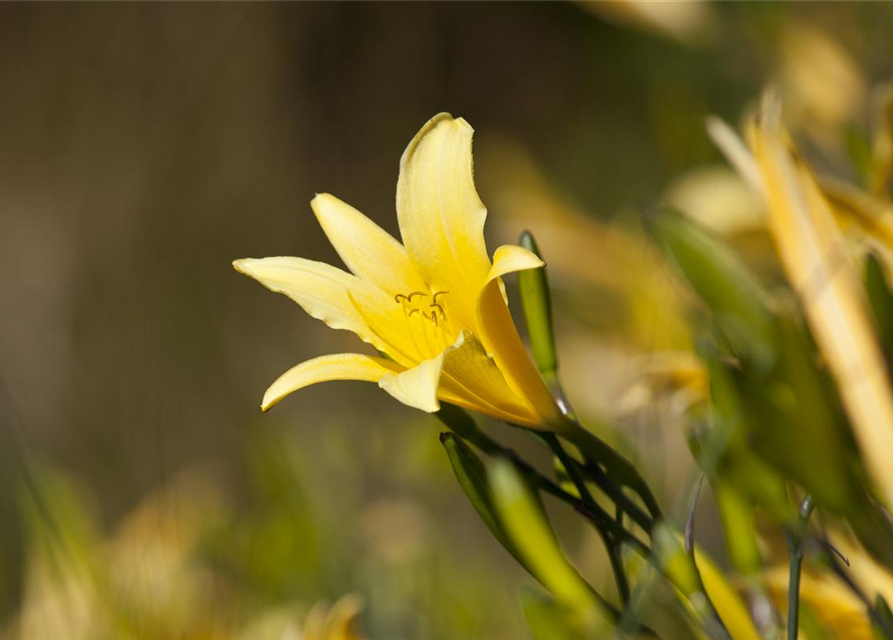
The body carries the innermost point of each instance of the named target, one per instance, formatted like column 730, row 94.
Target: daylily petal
column 736, row 152
column 462, row 374
column 343, row 366
column 369, row 251
column 320, row 289
column 510, row 258
column 500, row 336
column 327, row 293
column 416, row 387
column 440, row 215
column 474, row 381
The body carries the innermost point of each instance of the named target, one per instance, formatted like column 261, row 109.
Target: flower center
column 427, row 320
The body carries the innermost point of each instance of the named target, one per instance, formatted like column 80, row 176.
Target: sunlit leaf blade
column 564, row 479
column 472, row 477
column 679, row 568
column 703, row 587
column 526, row 526
column 740, row 528
column 728, row 604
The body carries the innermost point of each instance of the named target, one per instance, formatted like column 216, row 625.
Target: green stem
column 612, row 544
column 795, row 556
column 620, row 499
column 615, row 555
column 463, row 425
column 600, row 453
column 795, row 541
column 604, row 482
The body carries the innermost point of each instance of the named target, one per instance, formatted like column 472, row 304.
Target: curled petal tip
column 267, row 403
column 241, row 265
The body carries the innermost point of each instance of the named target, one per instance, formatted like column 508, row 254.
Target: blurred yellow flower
column 433, row 305
column 818, row 264
column 341, row 621
column 820, row 82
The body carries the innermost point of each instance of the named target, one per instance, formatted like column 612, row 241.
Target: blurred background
column 143, row 147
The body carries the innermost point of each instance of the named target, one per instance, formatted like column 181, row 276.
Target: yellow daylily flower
column 433, row 305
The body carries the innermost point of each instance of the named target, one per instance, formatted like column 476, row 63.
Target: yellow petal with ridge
column 320, row 289
column 342, row 366
column 471, row 379
column 369, row 251
column 500, row 336
column 440, row 215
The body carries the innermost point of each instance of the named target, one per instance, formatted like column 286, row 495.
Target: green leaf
column 858, row 147
column 537, row 303
column 722, row 281
column 680, row 569
column 546, row 619
column 723, row 451
column 790, row 417
column 810, row 625
column 795, row 422
column 883, row 625
column 881, row 302
column 461, row 422
column 526, row 526
column 564, row 479
column 673, row 561
column 472, row 477
column 739, row 525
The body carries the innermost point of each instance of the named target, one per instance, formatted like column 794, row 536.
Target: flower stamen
column 437, row 333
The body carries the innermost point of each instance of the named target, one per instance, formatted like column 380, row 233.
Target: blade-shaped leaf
column 526, row 526
column 730, row 291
